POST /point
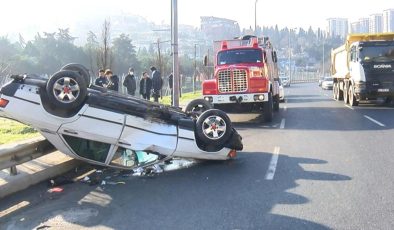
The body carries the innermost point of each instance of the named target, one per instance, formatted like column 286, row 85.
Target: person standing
column 129, row 82
column 145, row 86
column 101, row 80
column 157, row 83
column 113, row 81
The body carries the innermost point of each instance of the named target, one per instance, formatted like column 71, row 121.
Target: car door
column 149, row 135
column 94, row 136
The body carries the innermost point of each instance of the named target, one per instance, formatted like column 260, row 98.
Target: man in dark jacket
column 157, row 83
column 145, row 86
column 101, row 80
column 129, row 82
column 113, row 81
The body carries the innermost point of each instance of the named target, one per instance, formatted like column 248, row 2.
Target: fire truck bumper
column 237, row 98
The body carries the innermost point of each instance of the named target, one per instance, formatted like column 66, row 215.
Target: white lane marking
column 272, row 167
column 285, row 108
column 375, row 121
column 282, row 123
column 349, row 107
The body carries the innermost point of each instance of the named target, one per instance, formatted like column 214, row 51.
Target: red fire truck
column 246, row 77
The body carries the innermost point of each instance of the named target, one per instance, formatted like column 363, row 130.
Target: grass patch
column 186, row 97
column 11, row 131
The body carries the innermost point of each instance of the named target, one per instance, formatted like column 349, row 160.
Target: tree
column 91, row 50
column 104, row 52
column 124, row 54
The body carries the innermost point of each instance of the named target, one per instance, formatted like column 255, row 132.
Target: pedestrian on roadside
column 101, row 80
column 113, row 80
column 170, row 85
column 157, row 83
column 130, row 83
column 145, row 86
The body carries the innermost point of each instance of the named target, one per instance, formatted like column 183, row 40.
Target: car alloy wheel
column 66, row 90
column 214, row 127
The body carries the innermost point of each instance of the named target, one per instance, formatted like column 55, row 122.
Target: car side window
column 92, row 150
column 129, row 158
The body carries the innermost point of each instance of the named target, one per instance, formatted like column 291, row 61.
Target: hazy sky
column 18, row 14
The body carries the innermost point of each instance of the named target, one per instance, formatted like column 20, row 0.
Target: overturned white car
column 110, row 129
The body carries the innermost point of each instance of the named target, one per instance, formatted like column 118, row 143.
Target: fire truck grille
column 238, row 82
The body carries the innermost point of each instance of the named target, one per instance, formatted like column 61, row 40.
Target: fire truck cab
column 246, row 77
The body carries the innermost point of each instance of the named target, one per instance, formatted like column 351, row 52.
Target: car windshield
column 377, row 53
column 328, row 79
column 239, row 56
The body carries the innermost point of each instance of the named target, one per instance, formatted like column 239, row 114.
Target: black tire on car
column 66, row 89
column 197, row 106
column 268, row 109
column 335, row 91
column 82, row 70
column 345, row 95
column 276, row 103
column 352, row 99
column 213, row 127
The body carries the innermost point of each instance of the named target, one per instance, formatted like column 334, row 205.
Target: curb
column 36, row 171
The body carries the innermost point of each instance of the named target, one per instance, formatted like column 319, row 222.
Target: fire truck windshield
column 235, row 56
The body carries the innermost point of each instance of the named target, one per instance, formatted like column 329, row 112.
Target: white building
column 388, row 20
column 337, row 27
column 376, row 23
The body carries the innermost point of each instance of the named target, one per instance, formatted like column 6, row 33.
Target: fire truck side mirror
column 205, row 60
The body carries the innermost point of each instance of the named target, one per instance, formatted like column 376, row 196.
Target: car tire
column 276, row 103
column 345, row 95
column 82, row 70
column 335, row 91
column 268, row 109
column 352, row 99
column 66, row 89
column 197, row 106
column 213, row 127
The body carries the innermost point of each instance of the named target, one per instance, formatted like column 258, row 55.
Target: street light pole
column 255, row 17
column 174, row 38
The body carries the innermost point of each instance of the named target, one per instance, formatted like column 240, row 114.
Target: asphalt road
column 318, row 165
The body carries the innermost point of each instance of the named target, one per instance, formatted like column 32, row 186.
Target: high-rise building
column 355, row 27
column 219, row 28
column 364, row 25
column 337, row 27
column 376, row 23
column 388, row 20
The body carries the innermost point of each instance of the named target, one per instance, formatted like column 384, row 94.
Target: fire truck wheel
column 196, row 107
column 66, row 89
column 213, row 127
column 276, row 103
column 268, row 109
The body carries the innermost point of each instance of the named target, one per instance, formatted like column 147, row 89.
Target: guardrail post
column 13, row 170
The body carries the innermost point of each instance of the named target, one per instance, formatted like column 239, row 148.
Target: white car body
column 327, row 83
column 110, row 129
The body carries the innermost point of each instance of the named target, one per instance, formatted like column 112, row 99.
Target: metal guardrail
column 15, row 154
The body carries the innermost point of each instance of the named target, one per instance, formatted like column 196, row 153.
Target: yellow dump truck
column 363, row 68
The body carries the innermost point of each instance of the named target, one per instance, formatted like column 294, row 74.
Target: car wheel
column 66, row 89
column 276, row 103
column 197, row 106
column 352, row 99
column 82, row 70
column 345, row 95
column 335, row 91
column 268, row 109
column 213, row 127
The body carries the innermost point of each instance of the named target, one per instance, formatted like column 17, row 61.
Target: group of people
column 149, row 86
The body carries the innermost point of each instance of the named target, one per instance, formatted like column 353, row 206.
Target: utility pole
column 323, row 59
column 255, row 17
column 174, row 38
column 195, row 68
